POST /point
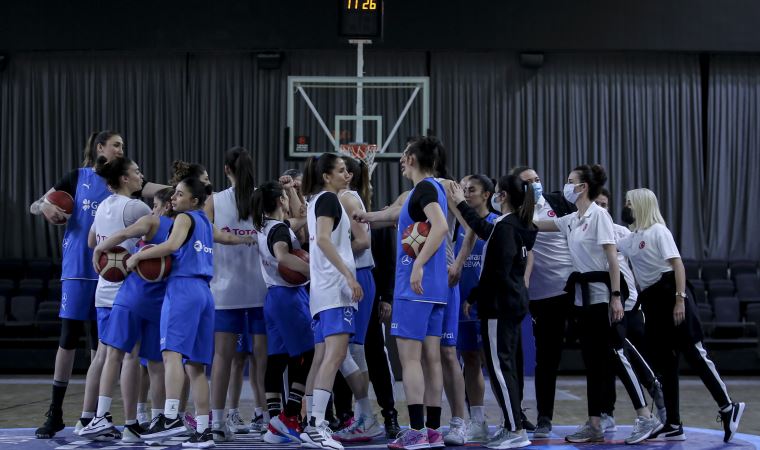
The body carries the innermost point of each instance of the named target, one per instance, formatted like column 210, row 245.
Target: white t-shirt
column 620, row 233
column 552, row 264
column 585, row 236
column 649, row 251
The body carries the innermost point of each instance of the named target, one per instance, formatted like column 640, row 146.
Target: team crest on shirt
column 642, row 244
column 406, row 260
column 551, row 213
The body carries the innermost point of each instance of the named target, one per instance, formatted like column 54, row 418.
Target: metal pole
column 359, row 135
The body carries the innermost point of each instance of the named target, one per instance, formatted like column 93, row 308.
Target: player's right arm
column 289, row 260
column 52, row 213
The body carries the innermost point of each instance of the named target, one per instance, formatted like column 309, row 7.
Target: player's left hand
column 132, row 262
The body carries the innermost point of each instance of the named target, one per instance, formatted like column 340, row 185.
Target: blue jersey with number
column 195, row 258
column 91, row 189
column 435, row 285
column 472, row 267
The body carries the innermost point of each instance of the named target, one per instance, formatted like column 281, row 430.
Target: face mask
column 628, row 218
column 538, row 191
column 496, row 202
column 569, row 192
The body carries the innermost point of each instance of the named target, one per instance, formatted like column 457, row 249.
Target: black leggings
column 73, row 330
column 501, row 345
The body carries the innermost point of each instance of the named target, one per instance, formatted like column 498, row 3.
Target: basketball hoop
column 361, row 152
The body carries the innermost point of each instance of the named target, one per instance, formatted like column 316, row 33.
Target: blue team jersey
column 472, row 267
column 195, row 258
column 435, row 284
column 91, row 189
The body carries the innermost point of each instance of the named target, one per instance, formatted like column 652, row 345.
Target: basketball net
column 361, row 152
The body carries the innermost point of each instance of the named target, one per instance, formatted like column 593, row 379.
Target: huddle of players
column 495, row 261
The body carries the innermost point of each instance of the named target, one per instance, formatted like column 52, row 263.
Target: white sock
column 130, row 422
column 202, row 422
column 155, row 412
column 171, row 408
column 104, row 405
column 363, row 406
column 142, row 408
column 87, row 414
column 233, row 411
column 309, row 406
column 321, row 398
column 217, row 418
column 258, row 412
column 267, row 418
column 477, row 413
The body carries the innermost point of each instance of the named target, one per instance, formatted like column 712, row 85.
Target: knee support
column 71, row 332
column 357, row 352
column 348, row 367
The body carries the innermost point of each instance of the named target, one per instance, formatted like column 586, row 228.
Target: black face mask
column 627, row 216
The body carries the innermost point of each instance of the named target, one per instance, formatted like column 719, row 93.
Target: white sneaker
column 97, row 426
column 608, row 423
column 457, row 434
column 319, row 436
column 236, row 424
column 363, row 429
column 508, row 439
column 223, row 433
column 477, row 431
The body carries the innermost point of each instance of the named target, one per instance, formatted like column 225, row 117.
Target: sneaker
column 333, row 422
column 410, row 439
column 190, row 422
column 508, row 439
column 131, row 434
column 53, row 424
column 257, row 424
column 237, row 424
column 287, row 426
column 527, row 425
column 97, row 426
column 319, row 436
column 392, row 428
column 81, row 423
column 476, row 431
column 112, row 435
column 200, row 440
column 363, row 429
column 457, row 434
column 222, row 434
column 669, row 433
column 730, row 419
column 543, row 428
column 643, row 428
column 608, row 423
column 435, row 438
column 586, row 433
column 272, row 436
column 143, row 417
column 163, row 427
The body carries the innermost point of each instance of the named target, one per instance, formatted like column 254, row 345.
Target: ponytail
column 91, row 148
column 241, row 165
column 520, row 196
column 264, row 201
column 360, row 178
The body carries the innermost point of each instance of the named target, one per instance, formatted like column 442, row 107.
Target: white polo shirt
column 552, row 264
column 649, row 251
column 620, row 233
column 585, row 236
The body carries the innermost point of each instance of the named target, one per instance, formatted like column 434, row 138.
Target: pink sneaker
column 435, row 438
column 410, row 439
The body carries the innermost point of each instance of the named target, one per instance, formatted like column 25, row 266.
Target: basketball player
column 187, row 314
column 290, row 341
column 237, row 286
column 672, row 326
column 334, row 290
column 133, row 327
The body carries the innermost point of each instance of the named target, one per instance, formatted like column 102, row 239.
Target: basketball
column 154, row 269
column 291, row 276
column 63, row 200
column 112, row 264
column 413, row 238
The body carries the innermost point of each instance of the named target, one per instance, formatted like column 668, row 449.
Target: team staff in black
column 501, row 294
column 672, row 326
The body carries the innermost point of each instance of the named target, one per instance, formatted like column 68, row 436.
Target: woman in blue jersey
column 333, row 291
column 420, row 295
column 133, row 327
column 290, row 342
column 502, row 296
column 478, row 190
column 187, row 313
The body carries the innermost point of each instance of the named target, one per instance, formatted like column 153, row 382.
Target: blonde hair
column 645, row 209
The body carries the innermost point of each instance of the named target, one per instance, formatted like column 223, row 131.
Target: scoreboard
column 360, row 19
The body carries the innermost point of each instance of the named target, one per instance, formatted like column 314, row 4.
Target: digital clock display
column 360, row 19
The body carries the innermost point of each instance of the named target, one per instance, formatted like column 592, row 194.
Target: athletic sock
column 477, row 413
column 202, row 422
column 232, row 411
column 171, row 407
column 293, row 406
column 433, row 417
column 274, row 404
column 59, row 392
column 321, row 398
column 363, row 406
column 416, row 416
column 130, row 422
column 104, row 405
column 217, row 418
column 87, row 414
column 154, row 412
column 309, row 405
column 258, row 412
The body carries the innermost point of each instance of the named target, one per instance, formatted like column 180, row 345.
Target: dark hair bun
column 599, row 174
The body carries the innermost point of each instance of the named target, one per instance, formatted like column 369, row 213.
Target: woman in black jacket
column 501, row 294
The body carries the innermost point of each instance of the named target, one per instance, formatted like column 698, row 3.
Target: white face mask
column 569, row 192
column 496, row 202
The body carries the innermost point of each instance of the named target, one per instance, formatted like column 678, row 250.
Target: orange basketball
column 63, row 200
column 413, row 238
column 154, row 269
column 291, row 276
column 112, row 264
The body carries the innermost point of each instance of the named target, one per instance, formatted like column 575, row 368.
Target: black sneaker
column 669, row 432
column 200, row 440
column 731, row 420
column 53, row 423
column 392, row 428
column 527, row 425
column 131, row 433
column 162, row 427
